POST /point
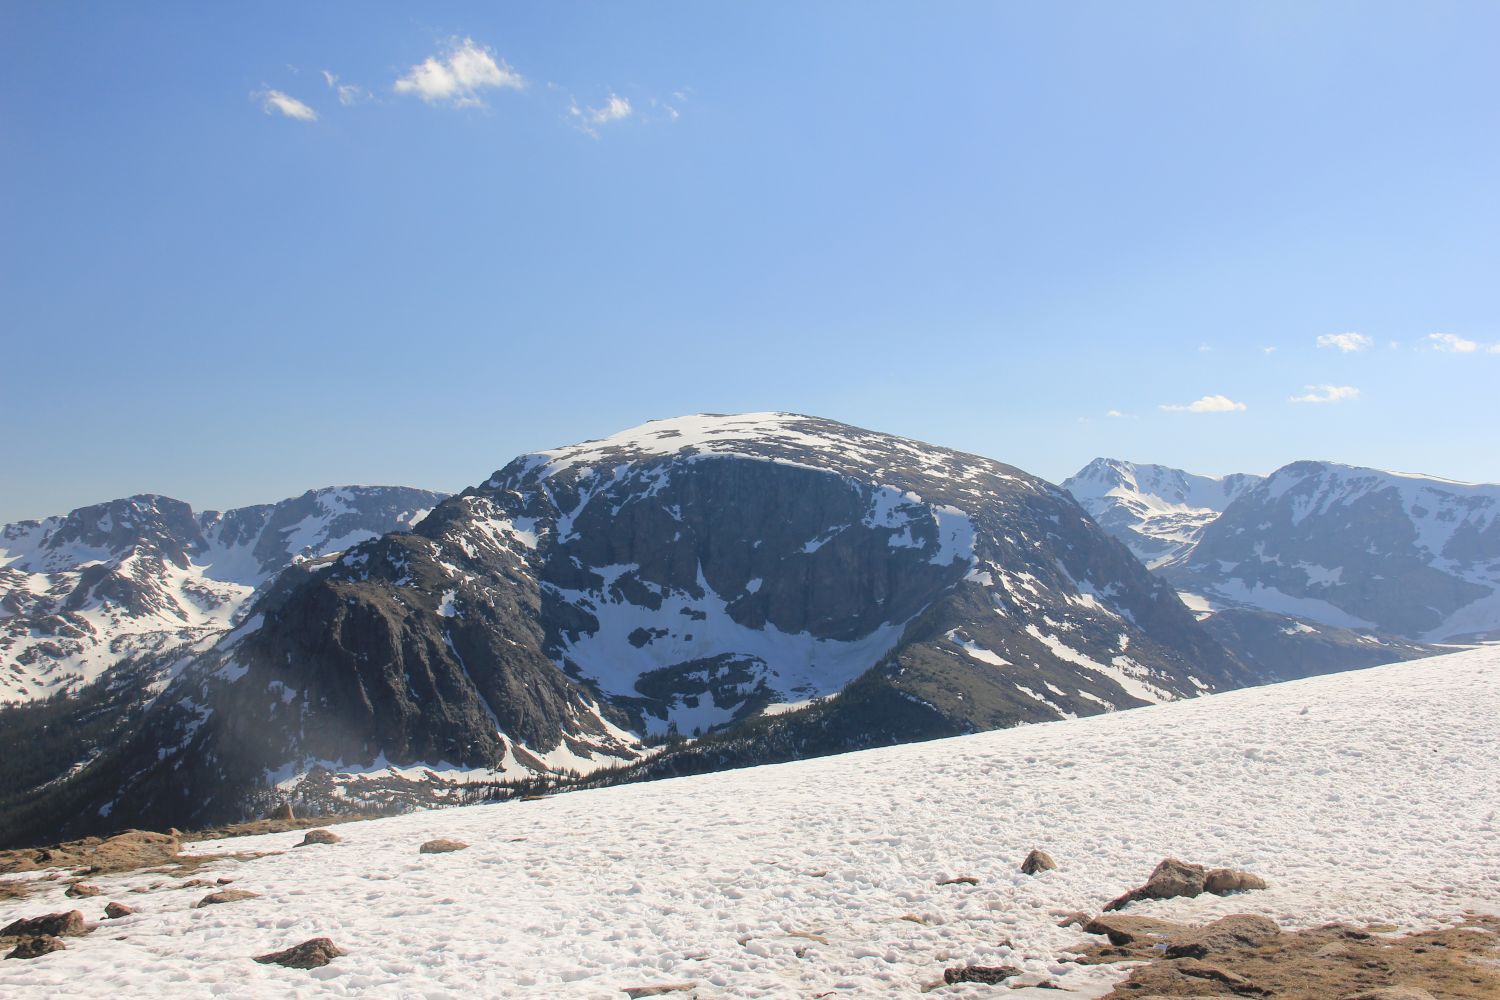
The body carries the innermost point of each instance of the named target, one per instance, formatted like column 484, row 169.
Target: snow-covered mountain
column 1365, row 798
column 1158, row 512
column 130, row 578
column 1409, row 555
column 835, row 587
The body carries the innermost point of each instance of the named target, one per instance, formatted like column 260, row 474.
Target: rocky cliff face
column 135, row 577
column 1158, row 512
column 700, row 574
column 1357, row 548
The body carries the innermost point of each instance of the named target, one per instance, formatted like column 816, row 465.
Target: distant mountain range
column 1343, row 547
column 1158, row 512
column 83, row 592
column 688, row 595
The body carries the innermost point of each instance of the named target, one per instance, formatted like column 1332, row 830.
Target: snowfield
column 1368, row 796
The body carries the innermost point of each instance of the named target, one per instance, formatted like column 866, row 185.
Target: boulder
column 658, row 990
column 312, row 954
column 1122, row 929
column 1173, row 878
column 1214, row 974
column 988, row 974
column 68, row 924
column 1239, row 930
column 225, row 896
column 1037, row 861
column 319, row 837
column 1223, row 881
column 114, row 911
column 36, row 947
column 81, row 890
column 442, row 845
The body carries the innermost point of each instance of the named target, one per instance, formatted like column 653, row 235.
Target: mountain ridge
column 684, row 576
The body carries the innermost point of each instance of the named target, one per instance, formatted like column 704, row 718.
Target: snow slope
column 1368, row 796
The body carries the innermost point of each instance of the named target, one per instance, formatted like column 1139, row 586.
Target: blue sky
column 989, row 226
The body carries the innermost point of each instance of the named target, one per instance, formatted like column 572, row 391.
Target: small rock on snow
column 311, row 954
column 442, row 846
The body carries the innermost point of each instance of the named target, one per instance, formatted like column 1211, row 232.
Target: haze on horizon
column 244, row 259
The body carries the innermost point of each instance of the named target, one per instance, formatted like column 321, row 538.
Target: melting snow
column 717, row 879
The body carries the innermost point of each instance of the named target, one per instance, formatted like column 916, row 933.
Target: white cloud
column 1326, row 394
column 1268, row 350
column 1114, row 413
column 615, row 109
column 1452, row 343
column 457, row 76
column 348, row 93
column 1208, row 404
column 275, row 102
column 1204, row 348
column 1345, row 342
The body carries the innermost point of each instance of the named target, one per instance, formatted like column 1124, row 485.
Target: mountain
column 1412, row 556
column 836, row 586
column 135, row 577
column 1158, row 512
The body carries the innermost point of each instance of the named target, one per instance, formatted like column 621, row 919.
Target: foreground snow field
column 1368, row 796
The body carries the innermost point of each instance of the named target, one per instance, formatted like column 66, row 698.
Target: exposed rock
column 319, row 837
column 36, row 947
column 70, row 924
column 81, row 890
column 989, row 974
column 442, row 845
column 311, row 954
column 660, row 989
column 1075, row 919
column 1223, row 881
column 1173, row 878
column 1240, row 930
column 282, row 812
column 115, row 911
column 225, row 896
column 1123, row 929
column 1214, row 974
column 960, row 880
column 195, row 883
column 1037, row 861
column 1331, row 962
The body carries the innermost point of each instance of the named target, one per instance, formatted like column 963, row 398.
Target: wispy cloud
column 1452, row 343
column 274, row 102
column 1326, row 394
column 457, row 76
column 348, row 93
column 1114, row 413
column 1346, row 342
column 1208, row 404
column 616, row 109
column 1268, row 350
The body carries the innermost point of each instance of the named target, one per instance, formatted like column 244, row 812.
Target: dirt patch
column 133, row 850
column 260, row 826
column 1321, row 963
